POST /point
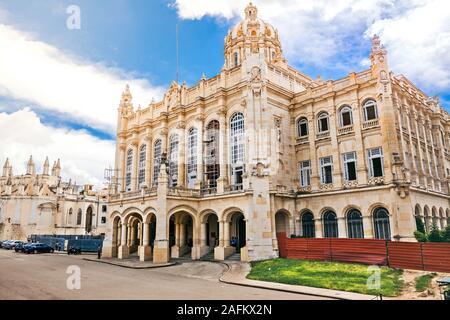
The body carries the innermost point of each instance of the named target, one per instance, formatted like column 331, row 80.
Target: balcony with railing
column 345, row 130
column 303, row 140
column 371, row 124
column 323, row 135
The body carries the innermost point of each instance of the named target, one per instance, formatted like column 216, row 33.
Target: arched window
column 88, row 224
column 212, row 164
column 355, row 224
column 330, row 225
column 370, row 110
column 192, row 157
column 302, row 127
column 128, row 170
column 381, row 224
column 173, row 160
column 156, row 161
column 142, row 164
column 70, row 217
column 237, row 148
column 323, row 122
column 345, row 116
column 79, row 217
column 308, row 227
column 236, row 59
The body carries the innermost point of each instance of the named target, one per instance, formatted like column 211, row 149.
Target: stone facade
column 261, row 148
column 42, row 204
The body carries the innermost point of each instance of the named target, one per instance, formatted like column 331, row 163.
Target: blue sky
column 67, row 83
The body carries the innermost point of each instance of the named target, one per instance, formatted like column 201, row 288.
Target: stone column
column 182, row 155
column 145, row 252
column 224, row 249
column 360, row 149
column 222, row 182
column 342, row 227
column 315, row 176
column 176, row 249
column 369, row 233
column 121, row 168
column 134, row 172
column 204, row 249
column 124, row 249
column 319, row 228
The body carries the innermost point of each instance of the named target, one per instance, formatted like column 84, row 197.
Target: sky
column 64, row 64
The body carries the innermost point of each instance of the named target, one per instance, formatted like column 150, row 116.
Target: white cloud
column 83, row 157
column 36, row 72
column 334, row 34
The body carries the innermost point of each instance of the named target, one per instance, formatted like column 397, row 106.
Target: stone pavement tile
column 238, row 272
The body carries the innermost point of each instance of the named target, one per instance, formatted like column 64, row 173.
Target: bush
column 420, row 236
column 446, row 234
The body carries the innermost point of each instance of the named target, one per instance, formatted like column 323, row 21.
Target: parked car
column 19, row 246
column 10, row 245
column 37, row 248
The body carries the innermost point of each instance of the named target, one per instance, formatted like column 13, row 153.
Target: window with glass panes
column 376, row 167
column 156, row 160
column 346, row 118
column 305, row 173
column 192, row 157
column 128, row 170
column 302, row 127
column 326, row 170
column 173, row 161
column 370, row 110
column 142, row 164
column 323, row 122
column 350, row 166
column 237, row 145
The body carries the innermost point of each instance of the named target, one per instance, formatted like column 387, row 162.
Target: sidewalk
column 132, row 263
column 238, row 271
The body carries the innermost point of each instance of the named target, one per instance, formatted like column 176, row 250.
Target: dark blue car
column 37, row 248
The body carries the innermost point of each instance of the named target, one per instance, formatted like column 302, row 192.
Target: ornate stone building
column 42, row 204
column 262, row 149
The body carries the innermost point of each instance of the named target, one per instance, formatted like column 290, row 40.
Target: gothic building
column 42, row 204
column 262, row 149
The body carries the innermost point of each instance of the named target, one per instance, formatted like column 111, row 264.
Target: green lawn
column 329, row 275
column 423, row 282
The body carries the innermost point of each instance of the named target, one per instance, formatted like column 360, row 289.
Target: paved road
column 44, row 277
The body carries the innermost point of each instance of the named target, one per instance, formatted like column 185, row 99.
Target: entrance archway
column 181, row 235
column 282, row 223
column 238, row 232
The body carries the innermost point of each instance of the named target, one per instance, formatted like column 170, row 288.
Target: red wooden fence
column 405, row 255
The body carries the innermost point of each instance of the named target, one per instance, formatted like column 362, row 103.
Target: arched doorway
column 181, row 235
column 88, row 225
column 282, row 224
column 116, row 236
column 238, row 232
column 209, row 235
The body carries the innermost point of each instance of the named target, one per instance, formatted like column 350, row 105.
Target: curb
column 170, row 264
column 221, row 279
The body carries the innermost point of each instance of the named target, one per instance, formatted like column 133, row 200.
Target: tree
column 435, row 235
column 446, row 234
column 420, row 225
column 420, row 236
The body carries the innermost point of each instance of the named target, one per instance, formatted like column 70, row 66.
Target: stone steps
column 234, row 257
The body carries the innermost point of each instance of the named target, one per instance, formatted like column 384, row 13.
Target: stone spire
column 57, row 169
column 46, row 167
column 31, row 168
column 6, row 168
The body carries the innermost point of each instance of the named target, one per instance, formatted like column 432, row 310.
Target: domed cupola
column 251, row 36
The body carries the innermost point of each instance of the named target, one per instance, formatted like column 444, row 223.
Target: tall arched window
column 79, row 217
column 128, row 170
column 345, row 116
column 142, row 164
column 355, row 224
column 88, row 223
column 156, row 160
column 237, row 149
column 235, row 59
column 381, row 224
column 330, row 225
column 173, row 160
column 302, row 127
column 308, row 227
column 323, row 122
column 212, row 164
column 70, row 217
column 192, row 142
column 370, row 110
